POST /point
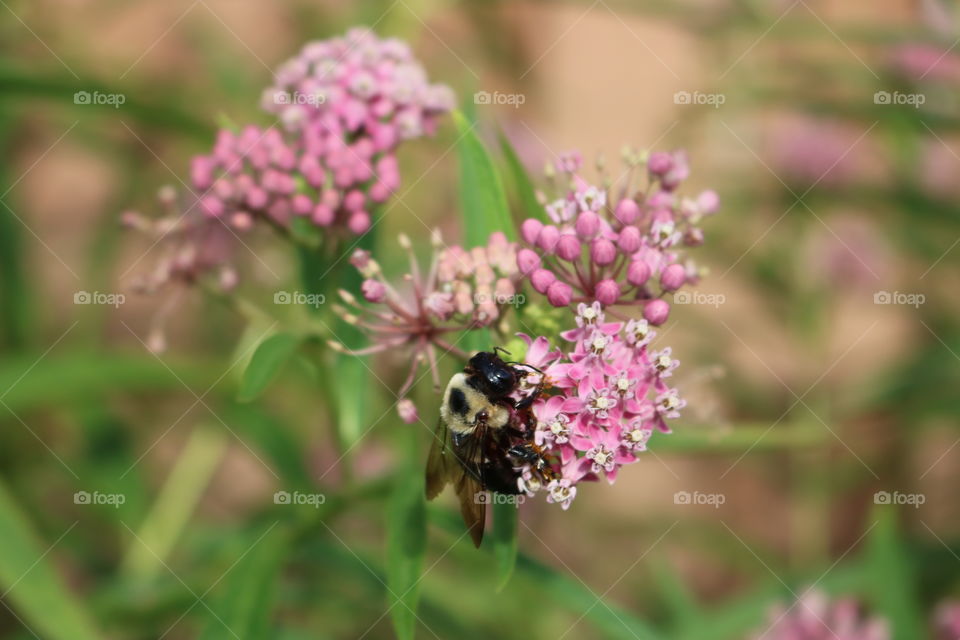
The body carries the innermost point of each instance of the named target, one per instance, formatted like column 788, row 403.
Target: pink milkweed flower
column 458, row 292
column 618, row 245
column 815, row 617
column 605, row 396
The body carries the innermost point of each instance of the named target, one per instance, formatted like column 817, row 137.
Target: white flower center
column 663, row 362
column 599, row 343
column 557, row 428
column 602, row 402
column 623, row 384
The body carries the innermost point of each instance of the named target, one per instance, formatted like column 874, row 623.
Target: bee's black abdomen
column 458, row 402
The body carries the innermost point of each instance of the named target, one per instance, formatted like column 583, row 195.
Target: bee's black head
column 492, row 375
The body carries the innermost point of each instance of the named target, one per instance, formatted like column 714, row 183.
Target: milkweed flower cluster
column 608, row 387
column 617, row 250
column 344, row 105
column 610, row 393
column 815, row 617
column 461, row 290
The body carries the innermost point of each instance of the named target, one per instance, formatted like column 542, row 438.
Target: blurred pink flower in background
column 807, row 151
column 815, row 617
column 946, row 620
column 918, row 62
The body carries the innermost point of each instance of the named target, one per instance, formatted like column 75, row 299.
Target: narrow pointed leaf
column 265, row 364
column 482, row 196
column 31, row 584
column 522, row 184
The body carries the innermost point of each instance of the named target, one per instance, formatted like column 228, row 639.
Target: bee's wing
column 459, row 465
column 441, row 464
column 473, row 508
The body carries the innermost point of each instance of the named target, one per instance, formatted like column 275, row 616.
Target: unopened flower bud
column 568, row 247
column 629, row 240
column 559, row 294
column 527, row 261
column 638, row 273
column 322, row 215
column 603, row 252
column 659, row 163
column 656, row 311
column 673, row 277
column 627, row 211
column 541, row 279
column 587, row 225
column 359, row 222
column 607, row 292
column 530, row 229
column 547, row 238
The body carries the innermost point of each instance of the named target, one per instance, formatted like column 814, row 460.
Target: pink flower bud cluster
column 262, row 174
column 608, row 394
column 461, row 290
column 815, row 617
column 623, row 251
column 346, row 104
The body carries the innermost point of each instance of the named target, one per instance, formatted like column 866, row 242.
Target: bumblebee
column 484, row 433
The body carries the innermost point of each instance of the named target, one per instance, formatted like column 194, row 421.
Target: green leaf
column 31, row 584
column 504, row 540
column 522, row 184
column 265, row 364
column 242, row 609
column 184, row 486
column 80, row 376
column 893, row 582
column 406, row 547
column 482, row 197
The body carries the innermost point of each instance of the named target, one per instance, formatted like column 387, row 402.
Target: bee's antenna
column 501, row 349
column 529, row 366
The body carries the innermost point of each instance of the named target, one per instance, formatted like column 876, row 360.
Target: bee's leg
column 525, row 403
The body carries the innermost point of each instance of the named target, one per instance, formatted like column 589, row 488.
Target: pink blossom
column 815, row 617
column 606, row 395
column 634, row 242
